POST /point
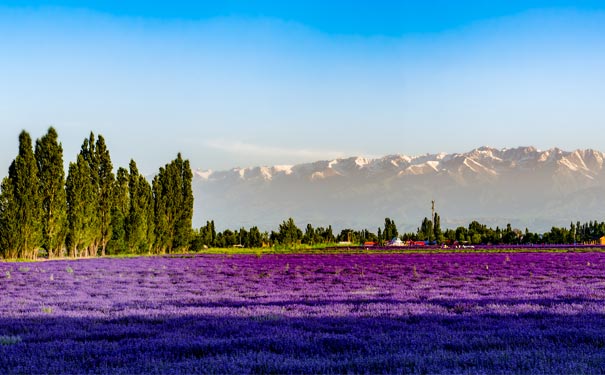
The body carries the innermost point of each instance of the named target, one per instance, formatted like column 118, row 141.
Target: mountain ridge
column 524, row 184
column 575, row 160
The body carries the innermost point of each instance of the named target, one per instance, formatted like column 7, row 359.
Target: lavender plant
column 379, row 313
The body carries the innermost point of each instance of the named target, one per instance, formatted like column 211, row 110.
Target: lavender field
column 392, row 313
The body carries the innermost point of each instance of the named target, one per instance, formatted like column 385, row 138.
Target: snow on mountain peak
column 286, row 169
column 361, row 162
column 203, row 174
column 486, row 161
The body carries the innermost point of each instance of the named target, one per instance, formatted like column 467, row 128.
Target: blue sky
column 240, row 83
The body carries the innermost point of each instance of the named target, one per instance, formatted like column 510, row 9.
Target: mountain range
column 523, row 186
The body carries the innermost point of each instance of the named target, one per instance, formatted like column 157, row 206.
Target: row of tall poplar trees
column 92, row 211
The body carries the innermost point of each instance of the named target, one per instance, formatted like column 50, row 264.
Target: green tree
column 227, row 238
column 173, row 203
column 106, row 196
column 89, row 153
column 182, row 231
column 119, row 213
column 309, row 237
column 205, row 237
column 289, row 233
column 437, row 233
column 9, row 221
column 390, row 230
column 327, row 235
column 140, row 226
column 22, row 208
column 426, row 230
column 348, row 235
column 450, row 236
column 461, row 234
column 51, row 177
column 208, row 233
column 255, row 238
column 81, row 209
column 150, row 216
column 163, row 188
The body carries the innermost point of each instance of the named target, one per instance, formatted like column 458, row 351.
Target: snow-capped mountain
column 524, row 186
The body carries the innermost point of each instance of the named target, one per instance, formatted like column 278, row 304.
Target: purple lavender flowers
column 392, row 313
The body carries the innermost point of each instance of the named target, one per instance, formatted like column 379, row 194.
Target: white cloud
column 242, row 148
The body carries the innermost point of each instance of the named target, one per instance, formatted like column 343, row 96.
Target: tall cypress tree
column 390, row 229
column 105, row 183
column 183, row 225
column 81, row 209
column 24, row 174
column 51, row 175
column 437, row 227
column 8, row 220
column 173, row 198
column 163, row 213
column 139, row 223
column 20, row 205
column 149, row 216
column 90, row 156
column 119, row 213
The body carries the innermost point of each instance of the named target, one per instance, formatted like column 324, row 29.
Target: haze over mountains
column 524, row 186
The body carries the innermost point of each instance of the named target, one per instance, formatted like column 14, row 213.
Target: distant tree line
column 91, row 211
column 476, row 233
column 288, row 234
